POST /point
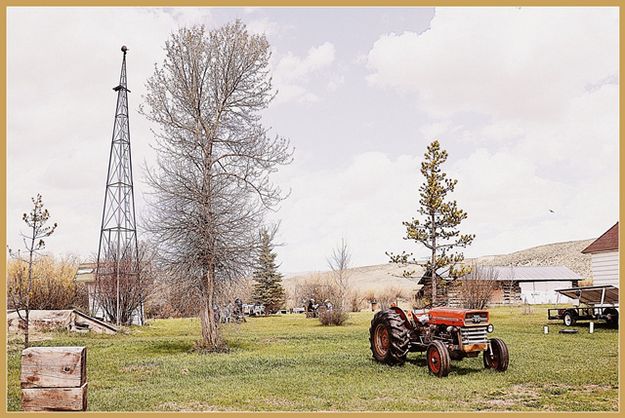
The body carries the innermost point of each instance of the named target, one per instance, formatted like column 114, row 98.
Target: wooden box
column 55, row 399
column 54, row 379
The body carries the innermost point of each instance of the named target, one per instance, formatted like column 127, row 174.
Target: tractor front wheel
column 439, row 361
column 388, row 336
column 497, row 356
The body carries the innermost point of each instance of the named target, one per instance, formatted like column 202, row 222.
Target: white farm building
column 604, row 258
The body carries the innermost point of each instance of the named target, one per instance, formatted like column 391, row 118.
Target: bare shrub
column 391, row 296
column 339, row 262
column 318, row 287
column 476, row 288
column 53, row 284
column 335, row 316
column 172, row 298
column 355, row 300
column 370, row 296
column 133, row 289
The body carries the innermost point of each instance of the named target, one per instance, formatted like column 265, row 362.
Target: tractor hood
column 458, row 317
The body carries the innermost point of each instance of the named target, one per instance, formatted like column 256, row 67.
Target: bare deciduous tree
column 33, row 243
column 211, row 185
column 133, row 289
column 339, row 262
column 476, row 288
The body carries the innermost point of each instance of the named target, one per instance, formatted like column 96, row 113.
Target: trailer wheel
column 611, row 315
column 569, row 318
column 439, row 361
column 388, row 337
column 499, row 358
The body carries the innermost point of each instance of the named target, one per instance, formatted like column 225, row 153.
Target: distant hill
column 567, row 254
column 388, row 275
column 377, row 277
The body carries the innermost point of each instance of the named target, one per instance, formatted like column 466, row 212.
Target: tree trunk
column 433, row 260
column 29, row 289
column 26, row 340
column 210, row 333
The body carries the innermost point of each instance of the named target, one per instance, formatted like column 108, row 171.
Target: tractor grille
column 473, row 335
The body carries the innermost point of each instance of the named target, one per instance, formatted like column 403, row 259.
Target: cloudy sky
column 525, row 100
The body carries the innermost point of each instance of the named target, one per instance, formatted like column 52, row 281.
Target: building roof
column 592, row 295
column 535, row 274
column 606, row 242
column 85, row 273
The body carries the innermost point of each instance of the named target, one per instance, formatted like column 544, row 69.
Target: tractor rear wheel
column 388, row 336
column 439, row 361
column 497, row 356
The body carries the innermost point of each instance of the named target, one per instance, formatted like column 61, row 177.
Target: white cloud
column 526, row 100
column 364, row 201
column 292, row 74
column 292, row 67
column 508, row 62
column 262, row 26
column 60, row 108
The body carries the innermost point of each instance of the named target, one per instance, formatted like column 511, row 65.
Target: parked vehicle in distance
column 444, row 334
column 253, row 310
column 596, row 303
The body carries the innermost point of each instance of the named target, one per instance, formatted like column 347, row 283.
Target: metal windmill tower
column 118, row 252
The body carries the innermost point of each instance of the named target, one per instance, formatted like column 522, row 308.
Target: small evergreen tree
column 268, row 289
column 438, row 228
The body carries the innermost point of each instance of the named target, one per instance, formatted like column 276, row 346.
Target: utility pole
column 118, row 251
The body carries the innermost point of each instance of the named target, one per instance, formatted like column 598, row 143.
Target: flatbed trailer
column 600, row 303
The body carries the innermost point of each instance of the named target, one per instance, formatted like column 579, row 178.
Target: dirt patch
column 500, row 403
column 279, row 402
column 146, row 367
column 556, row 389
column 519, row 396
column 187, row 407
column 597, row 388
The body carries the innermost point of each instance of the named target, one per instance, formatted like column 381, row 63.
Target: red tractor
column 445, row 334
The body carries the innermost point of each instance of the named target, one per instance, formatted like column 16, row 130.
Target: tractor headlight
column 490, row 328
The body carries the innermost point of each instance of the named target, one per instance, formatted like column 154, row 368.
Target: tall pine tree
column 437, row 229
column 268, row 288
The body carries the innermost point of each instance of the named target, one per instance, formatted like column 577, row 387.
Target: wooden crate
column 55, row 399
column 54, row 379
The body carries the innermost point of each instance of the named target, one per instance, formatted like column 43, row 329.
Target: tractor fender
column 399, row 311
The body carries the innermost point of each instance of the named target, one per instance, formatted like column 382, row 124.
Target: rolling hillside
column 567, row 254
column 384, row 276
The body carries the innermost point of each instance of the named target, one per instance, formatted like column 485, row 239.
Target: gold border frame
column 295, row 3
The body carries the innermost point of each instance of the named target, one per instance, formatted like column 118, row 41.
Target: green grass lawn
column 294, row 364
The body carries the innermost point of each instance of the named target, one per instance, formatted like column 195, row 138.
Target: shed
column 521, row 284
column 86, row 274
column 604, row 258
column 70, row 319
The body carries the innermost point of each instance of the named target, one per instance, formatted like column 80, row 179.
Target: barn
column 528, row 284
column 604, row 258
column 512, row 285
